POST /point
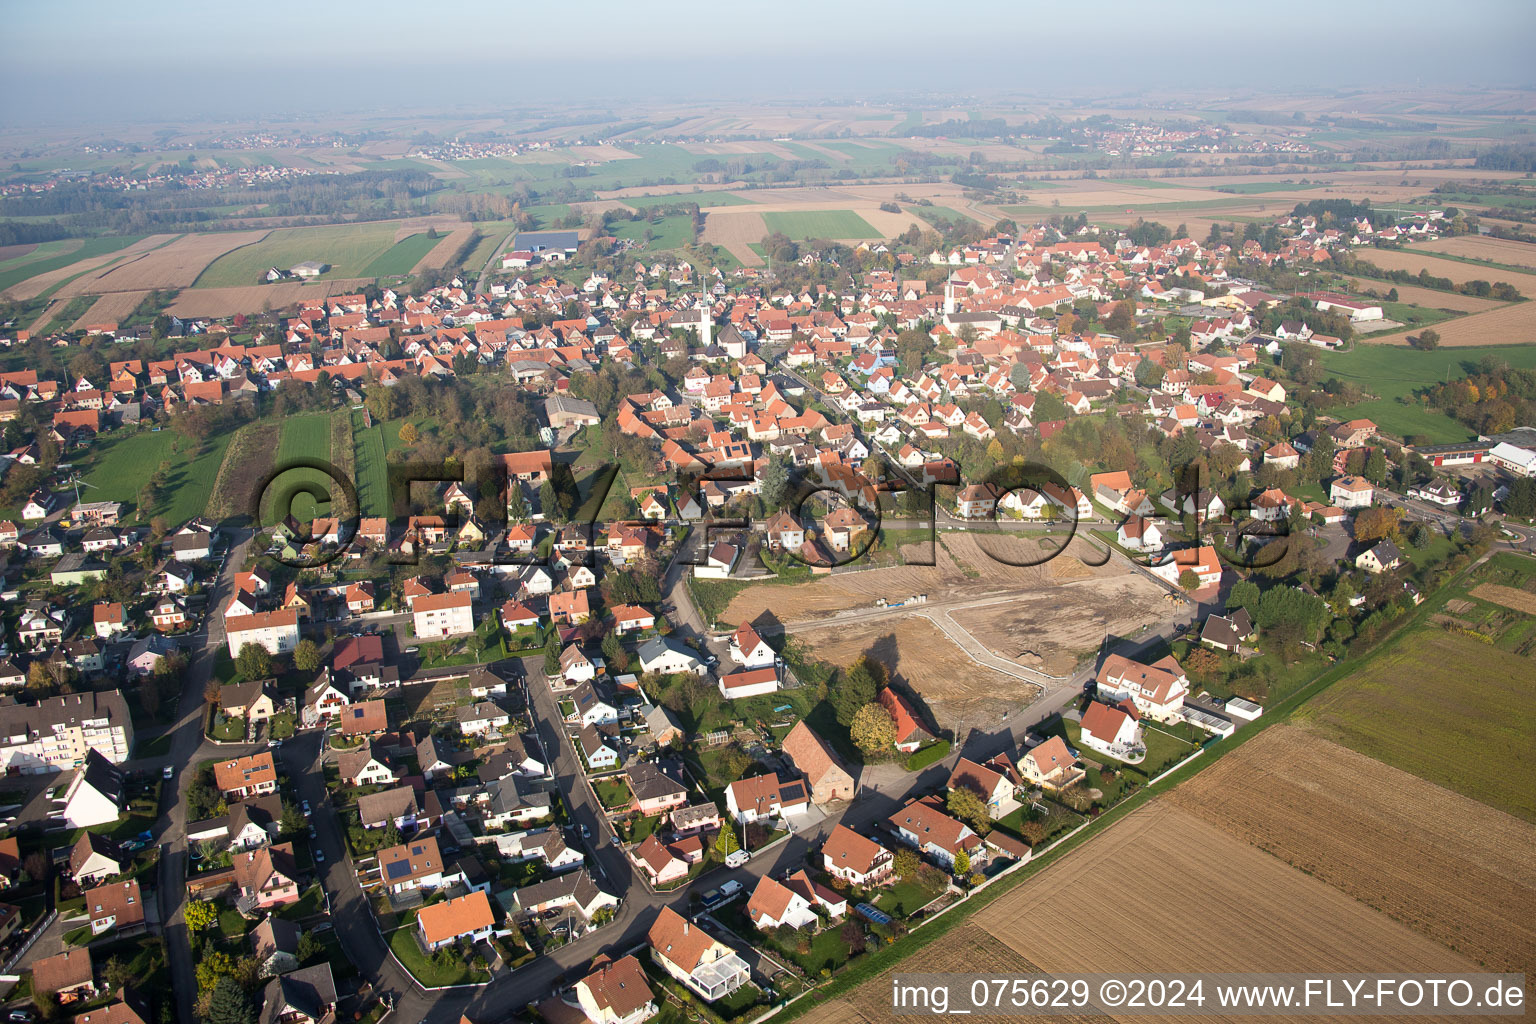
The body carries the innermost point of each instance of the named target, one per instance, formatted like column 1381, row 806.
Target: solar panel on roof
column 398, row 869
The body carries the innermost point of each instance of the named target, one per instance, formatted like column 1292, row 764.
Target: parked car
column 319, row 856
column 304, row 806
column 168, row 772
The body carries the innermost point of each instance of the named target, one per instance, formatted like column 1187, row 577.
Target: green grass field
column 1394, row 372
column 17, row 272
column 304, row 436
column 350, row 249
column 398, row 260
column 1446, row 707
column 820, row 224
column 671, row 232
column 122, row 463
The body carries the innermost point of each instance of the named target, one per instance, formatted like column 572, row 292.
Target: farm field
column 33, row 279
column 1470, row 883
column 372, row 446
column 1493, row 250
column 255, row 298
column 1428, row 298
column 304, row 436
column 1251, row 908
column 820, row 224
column 670, row 232
column 1460, row 716
column 175, row 265
column 954, row 687
column 350, row 249
column 445, row 249
column 1419, row 258
column 399, row 259
column 112, row 308
column 1513, row 324
column 736, row 232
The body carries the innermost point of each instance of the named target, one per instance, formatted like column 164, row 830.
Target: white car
column 167, row 772
column 319, row 855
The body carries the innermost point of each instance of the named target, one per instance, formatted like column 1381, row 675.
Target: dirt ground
column 1050, row 628
column 954, row 687
column 1469, row 884
column 1219, row 905
column 1509, row 597
column 732, row 228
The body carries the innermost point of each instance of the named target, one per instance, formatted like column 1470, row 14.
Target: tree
column 1149, row 374
column 1426, row 341
column 853, row 936
column 1520, row 500
column 292, row 821
column 908, row 865
column 254, row 662
column 962, row 863
column 309, row 948
column 228, row 1004
column 873, row 730
column 1189, row 580
column 306, row 656
column 725, row 842
column 409, row 435
column 201, row 915
column 391, row 834
column 552, row 654
column 1378, row 522
column 776, row 483
column 857, row 688
column 970, row 808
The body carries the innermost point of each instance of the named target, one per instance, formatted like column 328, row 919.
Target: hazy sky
column 65, row 61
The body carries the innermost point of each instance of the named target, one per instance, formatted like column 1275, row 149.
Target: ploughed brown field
column 1446, row 866
column 171, row 266
column 1513, row 324
column 32, row 287
column 112, row 308
column 1495, row 250
column 257, row 297
column 1162, row 890
column 1417, row 259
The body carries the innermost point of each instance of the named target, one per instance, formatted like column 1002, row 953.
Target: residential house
column 856, row 859
column 773, row 905
column 305, row 996
column 252, row 775
column 267, row 876
column 764, row 797
column 1382, row 557
column 115, row 905
column 616, row 992
column 694, row 957
column 924, row 824
column 1050, row 765
column 1158, row 690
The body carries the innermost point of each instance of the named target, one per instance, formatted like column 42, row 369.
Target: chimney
column 685, row 926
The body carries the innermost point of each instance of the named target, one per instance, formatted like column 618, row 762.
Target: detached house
column 855, row 859
column 694, row 957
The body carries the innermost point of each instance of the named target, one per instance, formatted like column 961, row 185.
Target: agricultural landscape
column 855, row 527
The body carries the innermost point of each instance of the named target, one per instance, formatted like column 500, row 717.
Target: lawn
column 350, row 249
column 306, row 436
column 121, row 463
column 398, row 260
column 371, row 446
column 671, row 232
column 704, row 199
column 423, row 968
column 613, row 792
column 1444, row 706
column 802, row 224
column 904, row 898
